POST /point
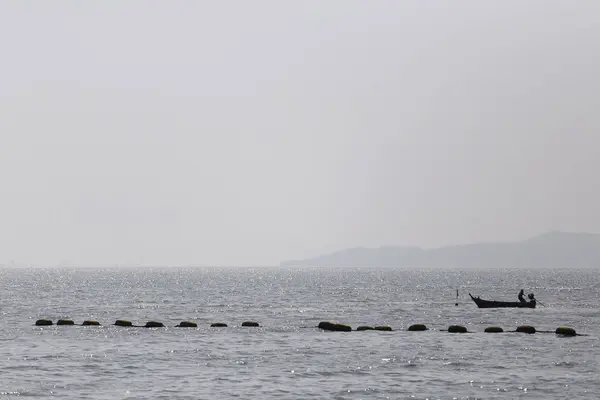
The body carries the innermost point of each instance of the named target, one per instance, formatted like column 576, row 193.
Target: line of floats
column 325, row 325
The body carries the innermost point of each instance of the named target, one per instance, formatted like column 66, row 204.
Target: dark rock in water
column 43, row 322
column 525, row 329
column 383, row 328
column 218, row 325
column 250, row 323
column 187, row 324
column 457, row 329
column 90, row 323
column 330, row 326
column 417, row 328
column 493, row 329
column 364, row 328
column 122, row 322
column 65, row 322
column 566, row 331
column 154, row 324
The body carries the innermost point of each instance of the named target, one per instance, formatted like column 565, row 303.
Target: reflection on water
column 287, row 357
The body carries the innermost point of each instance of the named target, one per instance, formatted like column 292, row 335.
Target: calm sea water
column 287, row 358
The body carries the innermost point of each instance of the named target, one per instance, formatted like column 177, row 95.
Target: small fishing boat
column 501, row 304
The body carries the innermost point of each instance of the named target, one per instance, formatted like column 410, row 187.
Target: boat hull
column 501, row 304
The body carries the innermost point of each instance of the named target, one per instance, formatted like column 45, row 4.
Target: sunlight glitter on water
column 281, row 359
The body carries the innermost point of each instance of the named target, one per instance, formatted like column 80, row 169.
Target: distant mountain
column 552, row 250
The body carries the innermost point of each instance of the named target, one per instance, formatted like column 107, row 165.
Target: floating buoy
column 364, row 328
column 330, row 326
column 154, row 324
column 566, row 331
column 525, row 329
column 65, row 322
column 417, row 328
column 187, row 324
column 250, row 323
column 218, row 325
column 494, row 329
column 122, row 322
column 92, row 323
column 457, row 329
column 343, row 328
column 43, row 322
column 383, row 328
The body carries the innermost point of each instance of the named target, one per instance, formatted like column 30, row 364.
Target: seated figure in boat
column 522, row 296
column 531, row 298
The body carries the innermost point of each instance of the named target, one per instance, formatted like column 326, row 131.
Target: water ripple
column 287, row 357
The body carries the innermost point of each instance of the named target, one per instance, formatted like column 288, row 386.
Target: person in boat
column 531, row 297
column 522, row 296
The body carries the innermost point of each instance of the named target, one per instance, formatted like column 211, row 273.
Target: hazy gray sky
column 249, row 132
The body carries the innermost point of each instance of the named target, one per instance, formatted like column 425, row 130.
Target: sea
column 288, row 357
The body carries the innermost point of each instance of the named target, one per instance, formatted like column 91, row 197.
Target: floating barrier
column 330, row 326
column 364, row 328
column 457, row 329
column 417, row 328
column 525, row 329
column 493, row 329
column 324, row 325
column 187, row 324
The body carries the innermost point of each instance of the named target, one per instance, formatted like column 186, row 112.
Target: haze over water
column 287, row 358
column 188, row 133
column 247, row 133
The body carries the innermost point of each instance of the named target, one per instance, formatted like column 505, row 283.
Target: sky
column 247, row 133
